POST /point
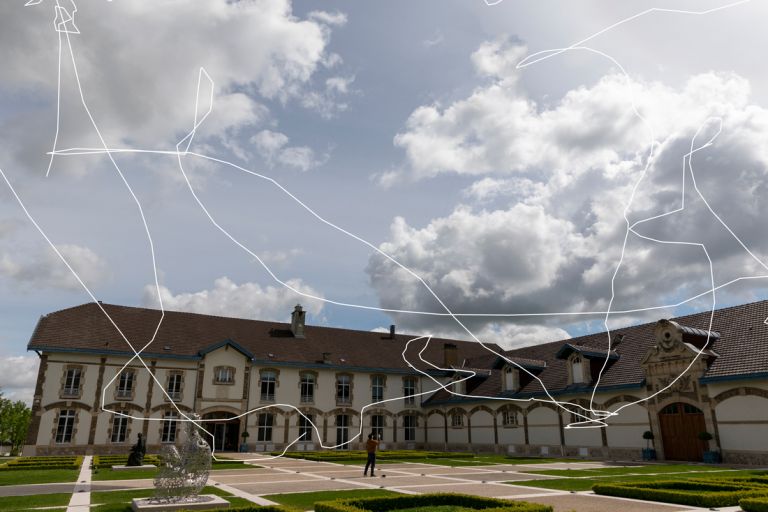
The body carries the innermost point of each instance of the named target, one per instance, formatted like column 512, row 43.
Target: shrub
column 37, row 463
column 385, row 504
column 107, row 461
column 754, row 504
column 697, row 493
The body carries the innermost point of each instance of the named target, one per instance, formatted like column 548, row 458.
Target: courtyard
column 563, row 484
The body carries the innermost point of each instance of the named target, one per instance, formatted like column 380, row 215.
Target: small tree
column 245, row 435
column 648, row 436
column 706, row 437
column 14, row 423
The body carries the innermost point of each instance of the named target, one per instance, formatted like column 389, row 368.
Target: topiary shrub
column 391, row 503
column 697, row 493
column 754, row 504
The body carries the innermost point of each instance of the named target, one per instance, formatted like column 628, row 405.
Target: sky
column 362, row 158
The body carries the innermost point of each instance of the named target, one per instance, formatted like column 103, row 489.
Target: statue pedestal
column 204, row 502
column 143, row 467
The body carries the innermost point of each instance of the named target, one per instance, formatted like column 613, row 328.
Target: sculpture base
column 122, row 467
column 204, row 502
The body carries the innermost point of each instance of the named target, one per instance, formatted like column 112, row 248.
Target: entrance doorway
column 681, row 425
column 225, row 430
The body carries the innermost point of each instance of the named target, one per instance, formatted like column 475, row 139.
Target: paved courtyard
column 278, row 476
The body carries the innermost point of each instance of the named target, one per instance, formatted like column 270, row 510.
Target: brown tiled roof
column 86, row 328
column 739, row 340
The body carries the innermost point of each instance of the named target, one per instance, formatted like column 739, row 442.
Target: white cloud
column 18, row 376
column 329, row 18
column 246, row 300
column 274, row 149
column 48, row 271
column 138, row 62
column 544, row 227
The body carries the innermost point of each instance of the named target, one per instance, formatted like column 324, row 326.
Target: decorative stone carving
column 185, row 472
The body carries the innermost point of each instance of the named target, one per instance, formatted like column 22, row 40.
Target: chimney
column 392, row 331
column 450, row 355
column 297, row 321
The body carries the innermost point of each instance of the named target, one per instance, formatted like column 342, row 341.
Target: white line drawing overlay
column 589, row 417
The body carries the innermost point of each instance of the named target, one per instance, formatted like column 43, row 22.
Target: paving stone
column 256, row 479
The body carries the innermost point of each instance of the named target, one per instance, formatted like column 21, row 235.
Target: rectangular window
column 174, row 386
column 224, row 375
column 343, row 389
column 268, row 380
column 305, row 428
column 65, row 426
column 377, row 426
column 409, row 427
column 509, row 418
column 409, row 390
column 72, row 382
column 264, row 432
column 125, row 384
column 169, row 427
column 377, row 388
column 342, row 432
column 457, row 420
column 307, row 387
column 119, row 429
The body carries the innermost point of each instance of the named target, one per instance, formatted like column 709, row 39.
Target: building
column 675, row 378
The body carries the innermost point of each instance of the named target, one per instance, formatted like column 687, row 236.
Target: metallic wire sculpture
column 184, row 473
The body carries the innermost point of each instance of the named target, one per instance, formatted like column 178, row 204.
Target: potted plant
column 244, row 444
column 710, row 456
column 648, row 452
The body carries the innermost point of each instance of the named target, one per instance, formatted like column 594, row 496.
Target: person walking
column 371, row 446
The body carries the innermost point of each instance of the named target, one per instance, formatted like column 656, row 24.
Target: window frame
column 126, row 377
column 65, row 434
column 169, row 429
column 174, row 395
column 378, row 382
column 119, row 429
column 409, row 391
column 69, row 391
column 308, row 379
column 265, row 423
column 267, row 380
column 217, row 373
column 377, row 425
column 409, row 431
column 340, row 399
column 305, row 427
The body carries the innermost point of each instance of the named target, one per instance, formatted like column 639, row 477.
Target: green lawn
column 119, row 501
column 307, row 500
column 33, row 476
column 585, row 484
column 36, row 500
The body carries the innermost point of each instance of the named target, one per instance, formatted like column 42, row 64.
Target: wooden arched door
column 681, row 425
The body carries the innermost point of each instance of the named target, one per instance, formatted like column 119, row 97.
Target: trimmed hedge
column 697, row 493
column 256, row 508
column 389, row 503
column 754, row 504
column 36, row 463
column 384, row 455
column 107, row 461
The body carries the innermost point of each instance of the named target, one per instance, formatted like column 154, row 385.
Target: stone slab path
column 282, row 476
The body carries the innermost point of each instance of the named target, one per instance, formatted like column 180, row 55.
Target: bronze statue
column 136, row 458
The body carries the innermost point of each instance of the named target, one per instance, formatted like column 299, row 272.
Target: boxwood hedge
column 697, row 493
column 754, row 504
column 392, row 503
column 36, row 463
column 107, row 461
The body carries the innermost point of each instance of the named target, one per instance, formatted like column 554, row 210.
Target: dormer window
column 458, row 385
column 577, row 368
column 511, row 379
